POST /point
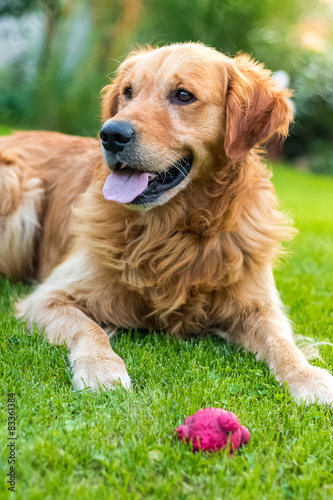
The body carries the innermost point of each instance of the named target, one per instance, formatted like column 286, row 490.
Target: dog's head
column 176, row 112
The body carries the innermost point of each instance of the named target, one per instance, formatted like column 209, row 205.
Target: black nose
column 116, row 135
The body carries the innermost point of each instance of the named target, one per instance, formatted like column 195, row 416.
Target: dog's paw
column 312, row 385
column 99, row 373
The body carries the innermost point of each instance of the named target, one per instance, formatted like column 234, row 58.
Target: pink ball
column 210, row 429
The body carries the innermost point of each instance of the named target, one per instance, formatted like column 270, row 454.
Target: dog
column 170, row 222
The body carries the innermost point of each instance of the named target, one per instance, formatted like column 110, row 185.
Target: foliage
column 321, row 161
column 230, row 26
column 77, row 445
column 16, row 7
column 312, row 133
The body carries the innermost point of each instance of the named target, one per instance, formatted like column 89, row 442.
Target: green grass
column 5, row 130
column 122, row 445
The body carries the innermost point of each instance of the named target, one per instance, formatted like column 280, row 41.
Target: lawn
column 118, row 445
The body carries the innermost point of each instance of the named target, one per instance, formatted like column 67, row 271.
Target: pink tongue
column 124, row 186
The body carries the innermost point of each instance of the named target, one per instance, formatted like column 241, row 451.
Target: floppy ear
column 256, row 108
column 110, row 96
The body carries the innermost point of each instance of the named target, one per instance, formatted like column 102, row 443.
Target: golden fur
column 200, row 260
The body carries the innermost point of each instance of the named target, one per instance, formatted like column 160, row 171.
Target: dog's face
column 174, row 112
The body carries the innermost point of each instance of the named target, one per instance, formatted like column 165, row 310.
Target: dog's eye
column 182, row 96
column 128, row 93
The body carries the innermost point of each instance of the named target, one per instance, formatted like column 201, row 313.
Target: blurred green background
column 56, row 55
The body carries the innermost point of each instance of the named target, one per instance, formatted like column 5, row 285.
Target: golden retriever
column 173, row 226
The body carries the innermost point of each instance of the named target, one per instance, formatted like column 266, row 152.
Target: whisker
column 115, row 71
column 173, row 159
column 180, row 169
column 177, row 164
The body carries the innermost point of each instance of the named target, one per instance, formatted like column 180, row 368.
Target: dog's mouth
column 129, row 185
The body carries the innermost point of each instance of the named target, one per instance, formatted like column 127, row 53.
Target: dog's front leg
column 95, row 364
column 267, row 333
